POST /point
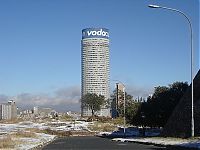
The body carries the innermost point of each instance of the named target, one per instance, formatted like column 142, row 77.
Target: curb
column 40, row 146
column 172, row 147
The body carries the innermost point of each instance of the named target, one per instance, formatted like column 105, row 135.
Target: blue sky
column 40, row 46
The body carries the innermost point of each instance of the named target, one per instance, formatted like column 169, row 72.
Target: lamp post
column 124, row 118
column 192, row 59
column 124, row 111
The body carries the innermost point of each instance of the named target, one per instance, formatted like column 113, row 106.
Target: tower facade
column 95, row 71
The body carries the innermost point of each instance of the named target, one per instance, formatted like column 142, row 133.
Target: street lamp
column 124, row 106
column 192, row 61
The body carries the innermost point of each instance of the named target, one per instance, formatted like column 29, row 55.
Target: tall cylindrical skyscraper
column 95, row 66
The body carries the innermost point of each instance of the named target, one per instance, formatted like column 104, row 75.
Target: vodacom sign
column 92, row 32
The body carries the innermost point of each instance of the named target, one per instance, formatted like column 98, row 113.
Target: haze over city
column 41, row 47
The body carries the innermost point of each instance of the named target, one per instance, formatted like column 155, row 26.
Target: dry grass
column 58, row 133
column 117, row 121
column 12, row 121
column 7, row 143
column 24, row 134
column 65, row 118
column 49, row 131
column 103, row 127
column 108, row 126
column 33, row 130
column 11, row 140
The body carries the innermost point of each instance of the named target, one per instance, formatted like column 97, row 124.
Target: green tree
column 131, row 105
column 131, row 111
column 93, row 101
column 160, row 106
column 128, row 103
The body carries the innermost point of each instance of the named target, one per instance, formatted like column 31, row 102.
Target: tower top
column 95, row 33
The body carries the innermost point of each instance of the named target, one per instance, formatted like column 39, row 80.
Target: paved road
column 96, row 143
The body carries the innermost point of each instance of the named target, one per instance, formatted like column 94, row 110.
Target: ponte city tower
column 95, row 71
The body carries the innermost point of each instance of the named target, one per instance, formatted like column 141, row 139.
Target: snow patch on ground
column 29, row 143
column 190, row 143
column 26, row 143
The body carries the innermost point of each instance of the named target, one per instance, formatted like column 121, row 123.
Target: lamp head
column 153, row 6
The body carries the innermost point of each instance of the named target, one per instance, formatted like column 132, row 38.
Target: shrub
column 99, row 118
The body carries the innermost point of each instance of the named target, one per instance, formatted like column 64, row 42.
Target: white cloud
column 62, row 99
column 136, row 91
column 3, row 98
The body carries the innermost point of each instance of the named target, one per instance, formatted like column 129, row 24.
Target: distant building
column 120, row 94
column 38, row 112
column 35, row 110
column 8, row 110
column 45, row 111
column 118, row 100
column 5, row 111
column 13, row 109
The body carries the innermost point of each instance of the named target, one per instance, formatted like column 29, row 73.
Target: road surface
column 95, row 143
